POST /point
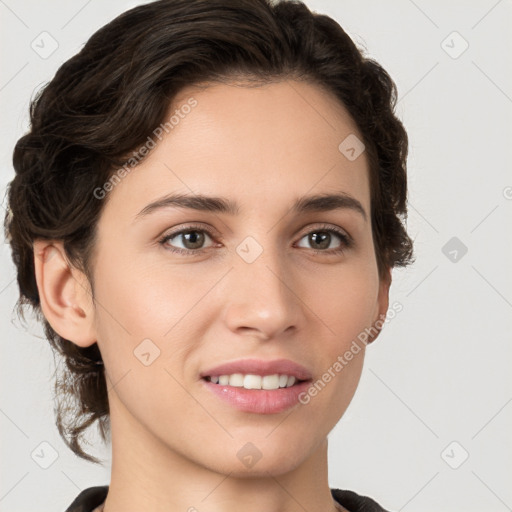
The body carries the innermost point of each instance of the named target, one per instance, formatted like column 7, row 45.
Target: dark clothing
column 354, row 502
column 91, row 497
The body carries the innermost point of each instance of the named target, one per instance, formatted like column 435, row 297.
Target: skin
column 174, row 443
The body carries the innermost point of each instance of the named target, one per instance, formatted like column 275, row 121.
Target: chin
column 266, row 466
column 259, row 459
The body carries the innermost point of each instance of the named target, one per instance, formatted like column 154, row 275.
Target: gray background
column 436, row 386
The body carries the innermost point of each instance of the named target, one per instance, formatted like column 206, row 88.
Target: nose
column 262, row 296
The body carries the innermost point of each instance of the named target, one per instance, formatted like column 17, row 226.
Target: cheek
column 344, row 300
column 144, row 335
column 150, row 314
column 144, row 300
column 345, row 306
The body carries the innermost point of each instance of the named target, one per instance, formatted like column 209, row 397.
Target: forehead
column 264, row 144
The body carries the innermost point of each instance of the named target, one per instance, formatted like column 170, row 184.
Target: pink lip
column 260, row 367
column 259, row 401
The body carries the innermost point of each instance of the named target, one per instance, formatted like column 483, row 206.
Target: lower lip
column 261, row 401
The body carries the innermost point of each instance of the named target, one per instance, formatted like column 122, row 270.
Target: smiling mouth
column 251, row 381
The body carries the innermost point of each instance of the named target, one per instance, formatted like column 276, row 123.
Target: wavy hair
column 103, row 102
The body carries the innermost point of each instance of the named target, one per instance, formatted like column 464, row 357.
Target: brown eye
column 192, row 240
column 321, row 239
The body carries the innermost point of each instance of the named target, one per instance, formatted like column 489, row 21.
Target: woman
column 206, row 212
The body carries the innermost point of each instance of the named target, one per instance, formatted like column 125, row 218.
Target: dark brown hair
column 104, row 102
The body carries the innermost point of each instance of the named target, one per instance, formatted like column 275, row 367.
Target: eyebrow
column 315, row 203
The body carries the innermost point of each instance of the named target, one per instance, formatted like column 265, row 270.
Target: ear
column 382, row 305
column 65, row 294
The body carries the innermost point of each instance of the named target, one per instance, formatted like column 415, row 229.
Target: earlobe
column 64, row 292
column 383, row 304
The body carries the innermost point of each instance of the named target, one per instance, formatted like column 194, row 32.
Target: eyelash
column 346, row 241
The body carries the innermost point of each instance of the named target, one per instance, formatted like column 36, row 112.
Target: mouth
column 258, row 386
column 252, row 381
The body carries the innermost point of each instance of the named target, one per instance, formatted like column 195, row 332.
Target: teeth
column 250, row 381
column 236, row 380
column 270, row 382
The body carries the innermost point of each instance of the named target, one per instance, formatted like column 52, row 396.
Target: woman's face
column 269, row 285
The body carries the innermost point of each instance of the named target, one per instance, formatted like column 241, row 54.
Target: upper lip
column 260, row 367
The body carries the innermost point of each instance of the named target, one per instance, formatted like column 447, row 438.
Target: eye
column 192, row 238
column 322, row 237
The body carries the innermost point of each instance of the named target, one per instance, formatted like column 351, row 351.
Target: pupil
column 194, row 237
column 323, row 237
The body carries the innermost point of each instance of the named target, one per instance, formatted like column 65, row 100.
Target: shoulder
column 353, row 502
column 89, row 499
